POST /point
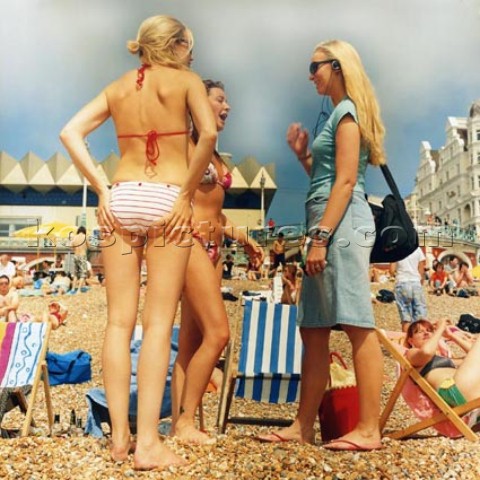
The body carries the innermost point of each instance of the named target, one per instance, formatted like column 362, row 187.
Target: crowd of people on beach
column 169, row 189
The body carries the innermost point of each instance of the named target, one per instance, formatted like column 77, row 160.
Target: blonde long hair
column 157, row 38
column 361, row 92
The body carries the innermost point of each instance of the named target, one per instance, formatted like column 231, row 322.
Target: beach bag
column 469, row 323
column 339, row 411
column 70, row 367
column 395, row 235
column 462, row 293
column 385, row 296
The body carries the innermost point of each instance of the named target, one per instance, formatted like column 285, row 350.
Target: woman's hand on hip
column 178, row 222
column 105, row 218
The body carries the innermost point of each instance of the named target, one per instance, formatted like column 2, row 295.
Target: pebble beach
column 236, row 455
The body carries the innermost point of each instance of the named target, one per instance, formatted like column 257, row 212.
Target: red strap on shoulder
column 141, row 75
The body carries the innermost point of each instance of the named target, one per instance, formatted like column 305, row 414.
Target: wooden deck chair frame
column 230, row 376
column 41, row 375
column 446, row 412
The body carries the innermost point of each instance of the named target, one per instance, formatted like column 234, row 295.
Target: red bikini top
column 211, row 176
column 152, row 150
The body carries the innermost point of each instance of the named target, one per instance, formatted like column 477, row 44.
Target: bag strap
column 339, row 358
column 71, row 364
column 391, row 182
column 335, row 355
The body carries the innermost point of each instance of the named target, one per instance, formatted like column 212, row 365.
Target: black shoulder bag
column 395, row 235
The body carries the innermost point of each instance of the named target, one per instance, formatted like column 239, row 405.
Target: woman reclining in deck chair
column 455, row 384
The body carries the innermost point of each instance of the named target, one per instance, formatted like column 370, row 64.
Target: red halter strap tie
column 152, row 150
column 141, row 75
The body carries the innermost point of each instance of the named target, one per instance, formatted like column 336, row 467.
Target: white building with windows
column 447, row 184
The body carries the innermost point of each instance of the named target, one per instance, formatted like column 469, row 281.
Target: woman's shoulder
column 127, row 79
column 344, row 107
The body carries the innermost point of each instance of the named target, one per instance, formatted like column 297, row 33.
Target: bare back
column 159, row 105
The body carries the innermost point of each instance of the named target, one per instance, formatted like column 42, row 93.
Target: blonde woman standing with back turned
column 148, row 204
column 336, row 292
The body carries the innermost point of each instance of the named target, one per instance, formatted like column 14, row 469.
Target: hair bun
column 133, row 46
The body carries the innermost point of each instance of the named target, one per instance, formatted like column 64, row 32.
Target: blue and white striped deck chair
column 269, row 364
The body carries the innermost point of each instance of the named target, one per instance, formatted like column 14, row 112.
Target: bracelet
column 304, row 157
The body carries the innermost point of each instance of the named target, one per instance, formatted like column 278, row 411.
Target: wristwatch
column 322, row 233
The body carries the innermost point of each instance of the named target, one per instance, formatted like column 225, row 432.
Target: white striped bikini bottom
column 136, row 205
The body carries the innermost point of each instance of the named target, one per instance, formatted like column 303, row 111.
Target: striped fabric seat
column 271, row 354
column 20, row 350
column 269, row 362
column 23, row 347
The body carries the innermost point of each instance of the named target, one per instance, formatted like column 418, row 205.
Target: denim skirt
column 340, row 295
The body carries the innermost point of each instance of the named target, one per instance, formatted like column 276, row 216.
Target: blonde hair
column 157, row 39
column 361, row 92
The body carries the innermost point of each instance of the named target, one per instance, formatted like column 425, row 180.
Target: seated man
column 228, row 264
column 9, row 301
column 451, row 268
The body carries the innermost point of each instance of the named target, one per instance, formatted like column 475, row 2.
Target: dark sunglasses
column 314, row 66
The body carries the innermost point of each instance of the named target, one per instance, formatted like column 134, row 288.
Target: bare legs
column 467, row 376
column 166, row 267
column 166, row 271
column 315, row 372
column 368, row 363
column 122, row 300
column 203, row 335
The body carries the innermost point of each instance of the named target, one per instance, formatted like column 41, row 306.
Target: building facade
column 33, row 190
column 447, row 184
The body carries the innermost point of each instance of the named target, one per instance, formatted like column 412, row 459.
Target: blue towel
column 97, row 402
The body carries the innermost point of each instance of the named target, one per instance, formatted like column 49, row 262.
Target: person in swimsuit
column 336, row 292
column 455, row 384
column 147, row 208
column 56, row 314
column 204, row 330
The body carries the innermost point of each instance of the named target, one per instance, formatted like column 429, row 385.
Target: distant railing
column 291, row 232
column 452, row 232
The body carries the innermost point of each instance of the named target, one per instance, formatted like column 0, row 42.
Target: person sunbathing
column 55, row 314
column 456, row 384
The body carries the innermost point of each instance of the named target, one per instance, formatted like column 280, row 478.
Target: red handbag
column 338, row 412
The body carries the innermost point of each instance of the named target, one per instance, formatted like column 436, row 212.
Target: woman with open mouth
column 204, row 330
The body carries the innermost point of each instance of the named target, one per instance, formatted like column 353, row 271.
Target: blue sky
column 422, row 57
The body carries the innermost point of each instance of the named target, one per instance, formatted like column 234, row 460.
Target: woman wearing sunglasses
column 336, row 291
column 146, row 209
column 204, row 329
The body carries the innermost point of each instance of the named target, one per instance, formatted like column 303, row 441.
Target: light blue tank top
column 322, row 175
